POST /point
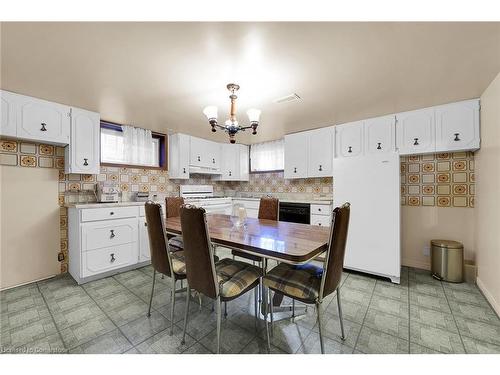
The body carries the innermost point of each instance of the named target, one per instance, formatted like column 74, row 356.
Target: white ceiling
column 161, row 75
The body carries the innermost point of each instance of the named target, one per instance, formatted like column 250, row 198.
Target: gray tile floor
column 422, row 315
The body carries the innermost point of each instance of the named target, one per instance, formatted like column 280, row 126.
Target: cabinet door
column 8, row 114
column 144, row 253
column 380, row 135
column 415, row 132
column 321, row 149
column 457, row 126
column 296, row 155
column 230, row 161
column 198, row 152
column 40, row 120
column 349, row 139
column 214, row 156
column 178, row 156
column 83, row 151
column 244, row 159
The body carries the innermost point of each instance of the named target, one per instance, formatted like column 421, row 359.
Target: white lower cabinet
column 251, row 206
column 106, row 240
column 321, row 214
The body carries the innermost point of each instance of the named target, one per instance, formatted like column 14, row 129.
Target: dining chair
column 172, row 209
column 164, row 261
column 221, row 281
column 311, row 284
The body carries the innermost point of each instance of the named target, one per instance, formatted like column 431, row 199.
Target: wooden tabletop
column 288, row 242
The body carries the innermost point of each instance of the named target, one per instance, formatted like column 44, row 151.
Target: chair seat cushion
column 299, row 282
column 179, row 262
column 235, row 277
column 176, row 243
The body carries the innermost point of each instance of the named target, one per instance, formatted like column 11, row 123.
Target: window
column 267, row 156
column 114, row 151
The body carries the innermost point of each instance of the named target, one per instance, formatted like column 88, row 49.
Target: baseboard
column 415, row 264
column 495, row 304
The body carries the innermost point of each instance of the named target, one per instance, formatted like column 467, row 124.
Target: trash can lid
column 447, row 243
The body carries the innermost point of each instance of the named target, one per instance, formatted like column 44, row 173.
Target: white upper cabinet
column 320, row 152
column 296, row 153
column 8, row 114
column 380, row 135
column 204, row 153
column 43, row 121
column 457, row 126
column 234, row 163
column 415, row 132
column 82, row 154
column 178, row 156
column 349, row 139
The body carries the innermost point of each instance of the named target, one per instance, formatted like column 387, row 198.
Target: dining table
column 292, row 243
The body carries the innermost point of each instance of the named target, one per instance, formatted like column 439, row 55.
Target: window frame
column 163, row 149
column 257, row 172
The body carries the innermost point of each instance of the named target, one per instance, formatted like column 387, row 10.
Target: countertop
column 290, row 200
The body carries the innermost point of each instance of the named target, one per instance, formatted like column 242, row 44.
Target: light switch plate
column 426, row 251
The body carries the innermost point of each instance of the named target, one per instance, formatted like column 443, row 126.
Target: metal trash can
column 447, row 260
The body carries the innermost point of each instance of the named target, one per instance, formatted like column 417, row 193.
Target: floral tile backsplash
column 443, row 180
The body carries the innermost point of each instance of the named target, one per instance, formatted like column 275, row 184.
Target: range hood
column 204, row 170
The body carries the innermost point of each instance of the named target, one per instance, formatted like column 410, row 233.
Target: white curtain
column 267, row 156
column 138, row 146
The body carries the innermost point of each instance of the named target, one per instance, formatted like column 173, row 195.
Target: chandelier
column 231, row 126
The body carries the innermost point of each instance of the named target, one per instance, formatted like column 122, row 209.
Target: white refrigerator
column 372, row 186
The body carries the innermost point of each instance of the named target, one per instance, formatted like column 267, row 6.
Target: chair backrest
column 334, row 259
column 173, row 206
column 269, row 208
column 198, row 252
column 158, row 244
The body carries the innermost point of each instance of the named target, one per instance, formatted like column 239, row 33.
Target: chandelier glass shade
column 231, row 125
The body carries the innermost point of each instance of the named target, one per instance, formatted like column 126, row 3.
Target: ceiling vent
column 289, row 98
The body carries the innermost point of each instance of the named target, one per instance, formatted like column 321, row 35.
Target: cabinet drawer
column 102, row 260
column 321, row 220
column 108, row 233
column 94, row 214
column 321, row 209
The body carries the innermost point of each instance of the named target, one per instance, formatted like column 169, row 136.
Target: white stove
column 203, row 196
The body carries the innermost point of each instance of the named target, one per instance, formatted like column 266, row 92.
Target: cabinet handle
column 213, row 161
column 112, row 257
column 199, row 158
column 183, row 170
column 145, row 224
column 111, row 213
column 320, row 168
column 379, row 146
column 43, row 129
column 295, row 170
column 319, row 209
column 319, row 224
column 229, row 173
column 349, row 149
column 85, row 162
column 456, row 139
column 416, row 142
column 112, row 235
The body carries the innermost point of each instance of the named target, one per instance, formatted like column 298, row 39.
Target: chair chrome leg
column 225, row 310
column 255, row 305
column 340, row 315
column 199, row 298
column 270, row 304
column 293, row 309
column 152, row 291
column 266, row 307
column 218, row 304
column 318, row 311
column 172, row 308
column 186, row 313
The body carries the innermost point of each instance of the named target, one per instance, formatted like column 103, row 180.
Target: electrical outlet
column 426, row 251
column 60, row 257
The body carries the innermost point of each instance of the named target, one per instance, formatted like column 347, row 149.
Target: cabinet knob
column 319, row 224
column 112, row 235
column 199, row 158
column 43, row 128
column 320, row 168
column 379, row 146
column 349, row 149
column 295, row 170
column 213, row 161
column 319, row 209
column 415, row 143
column 112, row 255
column 145, row 224
column 456, row 139
column 111, row 213
column 85, row 162
column 230, row 173
column 183, row 170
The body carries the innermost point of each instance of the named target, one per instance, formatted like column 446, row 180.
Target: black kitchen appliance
column 295, row 212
